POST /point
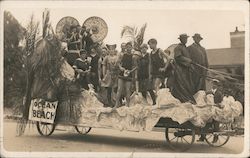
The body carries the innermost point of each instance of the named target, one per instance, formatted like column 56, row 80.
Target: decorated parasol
column 98, row 28
column 63, row 26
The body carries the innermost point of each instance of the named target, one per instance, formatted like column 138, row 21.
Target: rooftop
column 226, row 56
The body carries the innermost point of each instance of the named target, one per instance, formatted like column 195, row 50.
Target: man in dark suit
column 216, row 91
column 218, row 97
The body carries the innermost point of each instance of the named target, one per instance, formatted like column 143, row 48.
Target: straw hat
column 197, row 36
column 215, row 80
column 183, row 36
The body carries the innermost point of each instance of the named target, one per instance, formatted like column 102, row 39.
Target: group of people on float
column 138, row 70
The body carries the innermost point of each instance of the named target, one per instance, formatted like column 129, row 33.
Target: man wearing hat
column 182, row 86
column 217, row 92
column 199, row 56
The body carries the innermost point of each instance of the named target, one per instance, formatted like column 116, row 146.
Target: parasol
column 98, row 27
column 63, row 26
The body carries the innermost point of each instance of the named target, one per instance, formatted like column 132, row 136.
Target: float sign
column 43, row 111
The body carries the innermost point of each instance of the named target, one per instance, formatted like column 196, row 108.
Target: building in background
column 230, row 60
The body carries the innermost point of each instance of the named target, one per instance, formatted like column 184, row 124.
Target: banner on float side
column 42, row 111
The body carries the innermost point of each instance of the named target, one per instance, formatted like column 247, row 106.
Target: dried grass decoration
column 31, row 32
column 45, row 66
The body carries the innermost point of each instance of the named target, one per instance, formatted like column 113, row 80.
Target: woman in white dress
column 110, row 72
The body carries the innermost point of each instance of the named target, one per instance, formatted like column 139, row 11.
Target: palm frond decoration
column 140, row 37
column 136, row 30
column 30, row 35
column 45, row 24
column 132, row 33
column 20, row 86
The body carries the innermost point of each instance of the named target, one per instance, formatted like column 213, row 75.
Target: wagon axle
column 182, row 133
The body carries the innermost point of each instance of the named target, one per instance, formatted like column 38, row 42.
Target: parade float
column 53, row 97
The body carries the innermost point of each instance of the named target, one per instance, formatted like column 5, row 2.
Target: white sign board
column 43, row 111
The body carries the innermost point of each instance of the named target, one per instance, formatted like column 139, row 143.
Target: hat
column 215, row 80
column 197, row 36
column 183, row 36
column 111, row 46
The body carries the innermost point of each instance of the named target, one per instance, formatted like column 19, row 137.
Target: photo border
column 171, row 5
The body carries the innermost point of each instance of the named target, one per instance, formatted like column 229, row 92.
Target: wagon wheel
column 223, row 136
column 82, row 130
column 45, row 129
column 180, row 139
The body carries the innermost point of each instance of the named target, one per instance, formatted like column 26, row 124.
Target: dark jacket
column 218, row 95
column 199, row 56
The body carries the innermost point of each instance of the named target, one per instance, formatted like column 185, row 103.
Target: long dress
column 112, row 70
column 182, row 86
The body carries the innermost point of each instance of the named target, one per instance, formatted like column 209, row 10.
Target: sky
column 163, row 24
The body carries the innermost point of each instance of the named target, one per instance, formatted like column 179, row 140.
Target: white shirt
column 214, row 90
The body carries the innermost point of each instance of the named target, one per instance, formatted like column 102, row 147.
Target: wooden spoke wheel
column 180, row 139
column 82, row 130
column 218, row 139
column 222, row 139
column 45, row 129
